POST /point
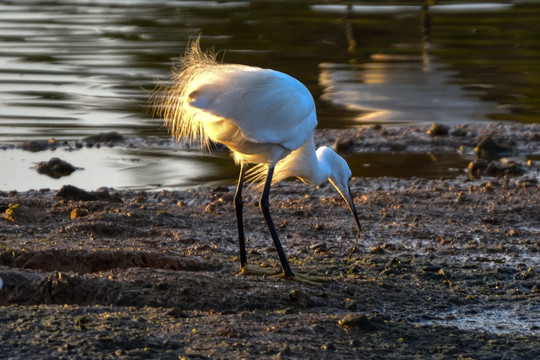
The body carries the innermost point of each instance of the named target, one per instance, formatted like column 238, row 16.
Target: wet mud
column 444, row 268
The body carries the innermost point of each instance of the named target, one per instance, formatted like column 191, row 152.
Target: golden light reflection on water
column 397, row 91
column 70, row 69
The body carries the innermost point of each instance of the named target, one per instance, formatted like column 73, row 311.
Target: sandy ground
column 443, row 268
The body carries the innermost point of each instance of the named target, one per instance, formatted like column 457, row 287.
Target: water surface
column 69, row 69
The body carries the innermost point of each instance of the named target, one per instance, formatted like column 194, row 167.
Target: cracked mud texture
column 443, row 269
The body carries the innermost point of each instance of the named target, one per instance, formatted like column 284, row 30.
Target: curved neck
column 305, row 164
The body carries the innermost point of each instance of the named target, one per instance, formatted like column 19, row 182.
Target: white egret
column 263, row 116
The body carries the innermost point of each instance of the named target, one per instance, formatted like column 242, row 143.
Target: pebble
column 476, row 168
column 356, row 322
column 489, row 149
column 79, row 212
column 329, row 346
column 438, row 130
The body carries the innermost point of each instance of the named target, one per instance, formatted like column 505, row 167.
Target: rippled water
column 70, row 69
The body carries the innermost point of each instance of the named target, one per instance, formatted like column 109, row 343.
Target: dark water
column 70, row 69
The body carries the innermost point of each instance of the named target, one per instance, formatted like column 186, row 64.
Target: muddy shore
column 445, row 268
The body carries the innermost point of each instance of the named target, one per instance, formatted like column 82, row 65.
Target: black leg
column 239, row 205
column 265, row 208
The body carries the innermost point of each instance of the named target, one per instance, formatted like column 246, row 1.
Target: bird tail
column 256, row 175
column 170, row 101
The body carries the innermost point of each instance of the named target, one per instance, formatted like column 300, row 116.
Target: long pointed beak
column 348, row 197
column 345, row 191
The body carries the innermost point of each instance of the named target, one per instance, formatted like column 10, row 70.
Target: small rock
column 23, row 214
column 438, row 130
column 329, row 346
column 108, row 137
column 319, row 226
column 77, row 213
column 489, row 149
column 356, row 322
column 211, row 208
column 477, row 168
column 55, row 168
column 512, row 232
column 70, row 192
column 510, row 167
column 35, row 146
column 343, row 145
column 505, row 167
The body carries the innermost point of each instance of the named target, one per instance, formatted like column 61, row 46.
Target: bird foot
column 258, row 270
column 305, row 279
column 273, row 273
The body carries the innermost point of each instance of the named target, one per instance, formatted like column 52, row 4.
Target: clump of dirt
column 443, row 269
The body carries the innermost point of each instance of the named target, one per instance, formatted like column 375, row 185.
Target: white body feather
column 261, row 115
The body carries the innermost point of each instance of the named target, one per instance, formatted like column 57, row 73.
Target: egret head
column 339, row 174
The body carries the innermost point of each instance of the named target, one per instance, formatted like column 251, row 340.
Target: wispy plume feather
column 171, row 101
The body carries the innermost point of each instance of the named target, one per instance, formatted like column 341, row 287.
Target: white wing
column 267, row 106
